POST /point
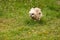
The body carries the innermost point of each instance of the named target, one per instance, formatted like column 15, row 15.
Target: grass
column 15, row 23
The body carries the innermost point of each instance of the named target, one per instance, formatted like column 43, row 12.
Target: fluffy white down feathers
column 35, row 13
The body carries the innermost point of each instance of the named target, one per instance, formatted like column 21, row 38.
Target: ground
column 15, row 23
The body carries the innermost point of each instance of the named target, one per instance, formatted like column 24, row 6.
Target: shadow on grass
column 31, row 22
column 42, row 21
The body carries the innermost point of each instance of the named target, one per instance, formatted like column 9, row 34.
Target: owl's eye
column 32, row 13
column 39, row 13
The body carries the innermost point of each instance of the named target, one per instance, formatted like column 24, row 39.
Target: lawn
column 15, row 23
